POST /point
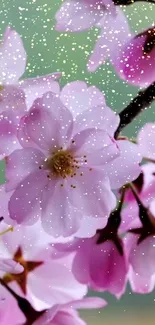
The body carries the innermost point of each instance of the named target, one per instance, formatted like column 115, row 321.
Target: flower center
column 61, row 164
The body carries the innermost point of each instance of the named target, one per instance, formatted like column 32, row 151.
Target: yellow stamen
column 6, row 231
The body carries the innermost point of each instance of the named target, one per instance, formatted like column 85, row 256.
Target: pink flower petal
column 41, row 125
column 96, row 146
column 114, row 34
column 142, row 257
column 127, row 163
column 59, row 216
column 12, row 57
column 10, row 266
column 79, row 15
column 24, row 203
column 36, row 87
column 140, row 284
column 108, row 268
column 89, row 303
column 8, row 137
column 20, row 164
column 12, row 101
column 90, row 194
column 62, row 290
column 146, row 140
column 98, row 116
column 78, row 97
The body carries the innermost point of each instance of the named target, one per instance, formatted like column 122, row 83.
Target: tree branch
column 129, row 2
column 138, row 104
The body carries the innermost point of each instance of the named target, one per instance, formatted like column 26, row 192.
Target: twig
column 138, row 104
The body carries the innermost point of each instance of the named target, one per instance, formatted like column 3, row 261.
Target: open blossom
column 41, row 282
column 17, row 95
column 136, row 61
column 67, row 314
column 67, row 167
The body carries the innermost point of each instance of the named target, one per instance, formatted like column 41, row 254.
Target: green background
column 50, row 51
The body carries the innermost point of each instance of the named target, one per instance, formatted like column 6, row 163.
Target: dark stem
column 30, row 313
column 129, row 2
column 138, row 104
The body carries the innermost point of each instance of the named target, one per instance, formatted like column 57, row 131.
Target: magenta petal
column 24, row 204
column 12, row 57
column 36, row 87
column 20, row 164
column 133, row 64
column 108, row 268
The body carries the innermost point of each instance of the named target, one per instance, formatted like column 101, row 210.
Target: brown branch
column 138, row 104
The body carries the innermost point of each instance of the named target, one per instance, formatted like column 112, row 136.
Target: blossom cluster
column 78, row 204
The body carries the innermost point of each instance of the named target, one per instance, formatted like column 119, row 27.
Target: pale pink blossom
column 17, row 95
column 44, row 281
column 115, row 32
column 67, row 314
column 71, row 161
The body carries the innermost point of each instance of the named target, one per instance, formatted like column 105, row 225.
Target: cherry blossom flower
column 71, row 161
column 115, row 32
column 100, row 261
column 41, row 281
column 67, row 314
column 78, row 15
column 17, row 96
column 136, row 61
